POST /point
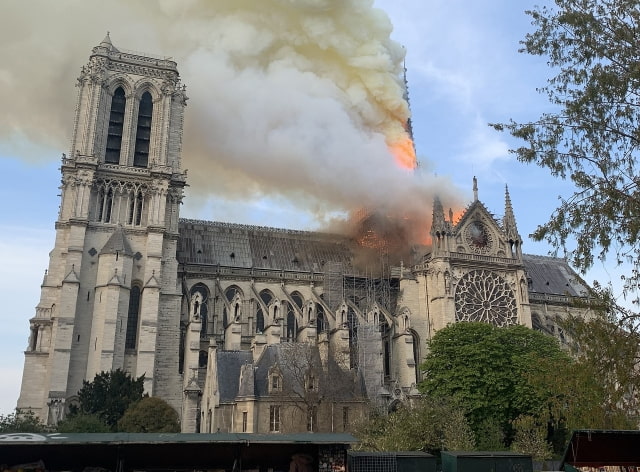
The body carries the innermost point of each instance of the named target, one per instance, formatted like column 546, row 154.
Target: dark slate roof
column 268, row 359
column 350, row 388
column 234, row 245
column 229, row 364
column 118, row 242
column 553, row 276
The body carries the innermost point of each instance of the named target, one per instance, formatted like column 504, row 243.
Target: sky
column 463, row 70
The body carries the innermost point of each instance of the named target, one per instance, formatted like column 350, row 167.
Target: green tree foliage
column 592, row 134
column 601, row 391
column 490, row 371
column 150, row 415
column 21, row 422
column 531, row 437
column 426, row 425
column 82, row 423
column 108, row 396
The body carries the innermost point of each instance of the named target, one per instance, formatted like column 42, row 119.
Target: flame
column 404, row 152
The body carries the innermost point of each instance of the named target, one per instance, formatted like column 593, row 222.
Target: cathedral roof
column 553, row 276
column 234, row 245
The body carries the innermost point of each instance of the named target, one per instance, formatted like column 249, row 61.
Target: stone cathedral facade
column 243, row 328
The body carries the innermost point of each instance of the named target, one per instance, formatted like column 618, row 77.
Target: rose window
column 482, row 295
column 478, row 237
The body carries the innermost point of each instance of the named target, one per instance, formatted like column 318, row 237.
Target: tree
column 82, row 423
column 108, row 396
column 427, row 425
column 150, row 415
column 308, row 385
column 531, row 438
column 21, row 422
column 592, row 136
column 490, row 370
column 601, row 391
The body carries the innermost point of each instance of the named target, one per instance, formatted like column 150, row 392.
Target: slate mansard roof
column 235, row 245
column 553, row 276
column 245, row 246
column 252, row 381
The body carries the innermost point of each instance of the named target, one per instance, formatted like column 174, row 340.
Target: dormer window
column 275, row 380
column 276, row 383
column 312, row 383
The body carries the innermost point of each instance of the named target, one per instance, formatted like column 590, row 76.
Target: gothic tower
column 110, row 298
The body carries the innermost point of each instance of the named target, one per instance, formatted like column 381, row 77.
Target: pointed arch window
column 321, row 322
column 416, row 354
column 291, row 329
column 143, row 131
column 385, row 332
column 259, row 321
column 116, row 123
column 132, row 318
column 266, row 297
column 105, row 204
column 352, row 325
column 136, row 202
column 203, row 307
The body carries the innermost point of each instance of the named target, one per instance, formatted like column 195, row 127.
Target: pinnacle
column 106, row 42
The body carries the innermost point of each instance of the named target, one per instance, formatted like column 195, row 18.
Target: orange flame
column 404, row 153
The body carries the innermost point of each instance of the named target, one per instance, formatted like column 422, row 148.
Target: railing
column 547, row 297
column 253, row 272
column 43, row 313
column 471, row 257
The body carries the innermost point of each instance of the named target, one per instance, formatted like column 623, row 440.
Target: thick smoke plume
column 289, row 99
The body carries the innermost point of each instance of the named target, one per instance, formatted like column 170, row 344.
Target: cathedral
column 245, row 328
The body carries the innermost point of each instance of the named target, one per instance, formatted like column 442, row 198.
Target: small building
column 491, row 461
column 602, row 450
column 398, row 461
column 124, row 452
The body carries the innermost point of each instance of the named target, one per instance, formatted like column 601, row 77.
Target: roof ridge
column 270, row 229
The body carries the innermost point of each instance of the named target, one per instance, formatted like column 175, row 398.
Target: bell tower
column 110, row 297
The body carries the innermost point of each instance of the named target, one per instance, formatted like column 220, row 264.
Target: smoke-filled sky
column 293, row 105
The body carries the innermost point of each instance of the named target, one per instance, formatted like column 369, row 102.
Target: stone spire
column 438, row 225
column 106, row 42
column 440, row 229
column 509, row 220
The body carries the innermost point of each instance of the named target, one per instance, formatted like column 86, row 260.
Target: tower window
column 116, row 122
column 132, row 318
column 136, row 202
column 143, row 131
column 105, row 204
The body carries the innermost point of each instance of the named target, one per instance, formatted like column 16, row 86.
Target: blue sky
column 463, row 70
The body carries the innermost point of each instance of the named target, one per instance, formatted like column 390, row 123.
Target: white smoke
column 296, row 99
